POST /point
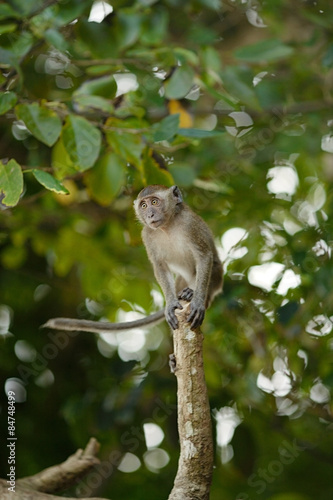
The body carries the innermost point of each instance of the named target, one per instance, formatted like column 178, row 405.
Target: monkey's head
column 156, row 205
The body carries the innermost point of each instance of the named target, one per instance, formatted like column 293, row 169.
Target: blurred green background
column 232, row 101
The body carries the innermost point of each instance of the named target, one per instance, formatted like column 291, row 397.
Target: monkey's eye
column 144, row 205
column 154, row 201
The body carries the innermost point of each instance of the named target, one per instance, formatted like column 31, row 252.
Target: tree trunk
column 195, row 466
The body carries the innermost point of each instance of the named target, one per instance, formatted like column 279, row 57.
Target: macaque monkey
column 178, row 242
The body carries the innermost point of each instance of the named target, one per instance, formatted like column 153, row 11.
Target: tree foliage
column 232, row 102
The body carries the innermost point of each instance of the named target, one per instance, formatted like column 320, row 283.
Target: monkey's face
column 156, row 205
column 150, row 211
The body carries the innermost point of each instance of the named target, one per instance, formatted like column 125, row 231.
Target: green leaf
column 56, row 39
column 183, row 173
column 82, row 141
column 61, row 161
column 166, row 128
column 7, row 11
column 321, row 19
column 49, row 182
column 97, row 37
column 238, row 83
column 127, row 145
column 213, row 186
column 130, row 110
column 11, row 60
column 185, row 56
column 127, row 27
column 105, row 180
column 7, row 101
column 180, row 83
column 155, row 26
column 211, row 4
column 105, row 86
column 152, row 173
column 20, row 45
column 25, row 7
column 264, row 51
column 11, row 183
column 13, row 257
column 211, row 59
column 85, row 102
column 147, row 3
column 67, row 11
column 229, row 100
column 7, row 28
column 196, row 133
column 202, row 35
column 43, row 123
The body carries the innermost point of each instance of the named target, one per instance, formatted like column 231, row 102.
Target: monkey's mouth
column 155, row 223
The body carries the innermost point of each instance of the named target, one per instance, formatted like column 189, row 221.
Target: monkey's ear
column 177, row 194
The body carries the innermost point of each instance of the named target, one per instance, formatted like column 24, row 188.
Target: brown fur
column 179, row 242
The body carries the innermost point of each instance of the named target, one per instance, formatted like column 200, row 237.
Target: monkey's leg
column 184, row 292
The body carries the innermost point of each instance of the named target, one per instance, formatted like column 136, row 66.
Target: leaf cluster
column 232, row 102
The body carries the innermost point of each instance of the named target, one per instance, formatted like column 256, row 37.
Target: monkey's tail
column 83, row 325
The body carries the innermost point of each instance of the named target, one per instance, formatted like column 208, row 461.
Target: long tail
column 83, row 325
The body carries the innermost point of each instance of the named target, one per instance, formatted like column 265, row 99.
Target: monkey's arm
column 203, row 276
column 82, row 325
column 167, row 283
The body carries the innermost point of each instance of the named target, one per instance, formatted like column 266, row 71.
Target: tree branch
column 62, row 476
column 55, row 478
column 195, row 466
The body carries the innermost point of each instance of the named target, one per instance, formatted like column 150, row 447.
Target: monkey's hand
column 170, row 313
column 186, row 294
column 197, row 313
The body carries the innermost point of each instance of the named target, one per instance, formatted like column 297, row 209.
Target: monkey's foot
column 186, row 294
column 172, row 363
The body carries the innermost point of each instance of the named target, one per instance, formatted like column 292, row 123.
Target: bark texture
column 195, row 466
